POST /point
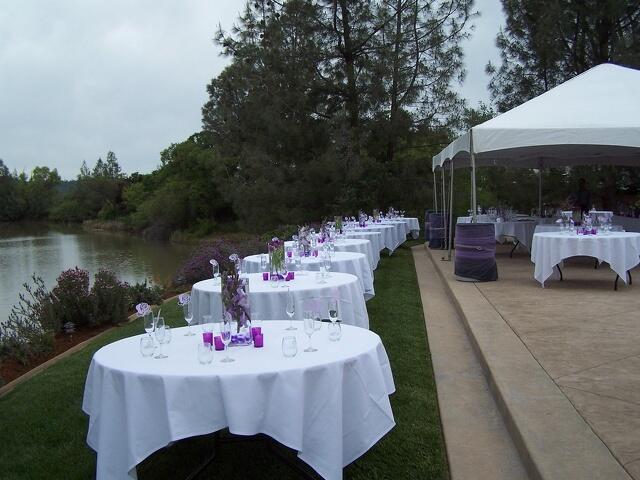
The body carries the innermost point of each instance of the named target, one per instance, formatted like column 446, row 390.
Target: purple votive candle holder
column 265, row 276
column 217, row 343
column 258, row 340
column 290, row 276
column 315, row 253
column 289, row 254
column 207, row 337
column 256, row 331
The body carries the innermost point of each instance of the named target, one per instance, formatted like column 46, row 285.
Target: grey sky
column 79, row 78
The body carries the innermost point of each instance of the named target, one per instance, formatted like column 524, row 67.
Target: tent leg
column 444, row 208
column 435, row 192
column 473, row 179
column 450, row 209
column 540, row 189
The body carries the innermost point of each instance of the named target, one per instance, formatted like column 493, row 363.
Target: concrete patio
column 581, row 343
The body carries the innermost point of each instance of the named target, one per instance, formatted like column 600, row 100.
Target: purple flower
column 184, row 299
column 143, row 309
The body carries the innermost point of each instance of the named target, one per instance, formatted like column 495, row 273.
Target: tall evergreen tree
column 546, row 42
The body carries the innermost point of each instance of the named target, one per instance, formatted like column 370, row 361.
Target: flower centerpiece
column 276, row 256
column 234, row 258
column 143, row 309
column 235, row 307
column 376, row 215
column 362, row 219
column 338, row 220
column 304, row 239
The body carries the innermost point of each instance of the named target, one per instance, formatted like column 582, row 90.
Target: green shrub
column 71, row 297
column 32, row 324
column 143, row 293
column 109, row 300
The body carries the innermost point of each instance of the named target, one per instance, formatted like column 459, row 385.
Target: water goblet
column 160, row 337
column 335, row 332
column 187, row 310
column 147, row 347
column 273, row 280
column 317, row 321
column 264, row 261
column 289, row 346
column 205, row 353
column 290, row 310
column 225, row 333
column 333, row 310
column 326, row 261
column 215, row 271
column 309, row 329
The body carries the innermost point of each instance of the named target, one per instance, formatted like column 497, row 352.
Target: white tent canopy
column 594, row 118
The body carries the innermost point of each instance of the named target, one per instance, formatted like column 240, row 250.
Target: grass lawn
column 43, row 429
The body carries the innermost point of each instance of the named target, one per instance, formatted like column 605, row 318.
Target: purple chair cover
column 476, row 252
column 427, row 226
column 436, row 231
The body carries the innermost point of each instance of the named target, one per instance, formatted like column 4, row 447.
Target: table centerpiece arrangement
column 275, row 247
column 235, row 307
column 304, row 240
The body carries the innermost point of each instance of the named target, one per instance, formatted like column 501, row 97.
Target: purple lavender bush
column 197, row 266
column 109, row 299
column 72, row 298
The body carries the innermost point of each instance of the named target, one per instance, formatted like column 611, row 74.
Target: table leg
column 515, row 245
column 560, row 271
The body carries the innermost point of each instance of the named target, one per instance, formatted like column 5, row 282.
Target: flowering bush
column 197, row 266
column 72, row 297
column 144, row 293
column 108, row 298
column 31, row 326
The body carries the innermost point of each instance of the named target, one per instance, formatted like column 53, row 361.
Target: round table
column 345, row 262
column 522, row 231
column 391, row 236
column 414, row 226
column 621, row 250
column 331, row 405
column 359, row 245
column 270, row 303
column 377, row 242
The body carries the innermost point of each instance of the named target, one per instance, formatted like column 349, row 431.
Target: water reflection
column 48, row 250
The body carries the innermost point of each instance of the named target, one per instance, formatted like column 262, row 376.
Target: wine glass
column 326, row 261
column 160, row 336
column 264, row 260
column 317, row 323
column 333, row 310
column 149, row 323
column 335, row 332
column 216, row 271
column 309, row 329
column 225, row 333
column 187, row 310
column 290, row 310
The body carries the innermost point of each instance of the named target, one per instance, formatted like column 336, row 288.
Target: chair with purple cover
column 427, row 225
column 475, row 256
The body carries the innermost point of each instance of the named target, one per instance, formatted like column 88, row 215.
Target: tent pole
column 474, row 209
column 540, row 188
column 435, row 193
column 444, row 207
column 450, row 207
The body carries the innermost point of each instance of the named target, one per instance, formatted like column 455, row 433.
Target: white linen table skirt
column 522, row 231
column 621, row 250
column 270, row 303
column 331, row 405
column 377, row 242
column 391, row 238
column 345, row 262
column 414, row 226
column 359, row 245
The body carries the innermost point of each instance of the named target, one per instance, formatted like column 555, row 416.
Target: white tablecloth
column 414, row 226
column 391, row 236
column 375, row 238
column 345, row 262
column 522, row 231
column 331, row 405
column 630, row 224
column 621, row 250
column 270, row 303
column 359, row 245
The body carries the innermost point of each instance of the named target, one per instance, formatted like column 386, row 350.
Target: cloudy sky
column 80, row 78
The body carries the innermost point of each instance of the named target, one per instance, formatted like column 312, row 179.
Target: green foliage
column 546, row 42
column 31, row 325
column 142, row 292
column 109, row 299
column 72, row 299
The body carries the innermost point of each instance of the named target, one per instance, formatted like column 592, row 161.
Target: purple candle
column 290, row 276
column 258, row 340
column 217, row 342
column 265, row 276
column 256, row 331
column 207, row 337
column 289, row 254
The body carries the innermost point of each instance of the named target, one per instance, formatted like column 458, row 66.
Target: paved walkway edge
column 553, row 440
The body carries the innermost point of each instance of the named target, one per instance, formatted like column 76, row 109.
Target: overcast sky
column 80, row 78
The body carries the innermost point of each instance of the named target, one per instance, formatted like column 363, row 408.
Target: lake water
column 47, row 250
